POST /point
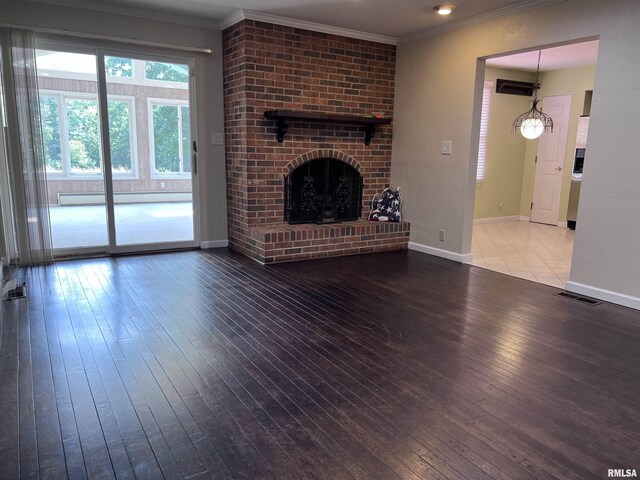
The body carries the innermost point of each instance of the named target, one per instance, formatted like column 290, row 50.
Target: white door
column 550, row 161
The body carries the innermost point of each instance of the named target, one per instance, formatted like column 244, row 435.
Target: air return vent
column 579, row 298
column 515, row 87
column 13, row 291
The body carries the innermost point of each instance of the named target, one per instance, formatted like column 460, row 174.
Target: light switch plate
column 447, row 147
column 217, row 139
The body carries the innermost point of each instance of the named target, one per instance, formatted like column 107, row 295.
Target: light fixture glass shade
column 531, row 128
column 533, row 123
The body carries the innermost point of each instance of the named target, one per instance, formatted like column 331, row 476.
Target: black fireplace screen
column 325, row 190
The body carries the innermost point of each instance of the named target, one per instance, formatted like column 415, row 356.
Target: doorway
column 509, row 199
column 119, row 150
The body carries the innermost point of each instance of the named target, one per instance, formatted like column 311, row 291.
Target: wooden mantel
column 284, row 117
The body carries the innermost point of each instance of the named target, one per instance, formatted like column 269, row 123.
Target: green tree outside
column 170, row 130
column 186, row 140
column 169, row 72
column 84, row 140
column 50, row 119
column 119, row 136
column 166, row 139
column 118, row 67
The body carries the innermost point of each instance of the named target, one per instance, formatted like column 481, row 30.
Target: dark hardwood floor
column 401, row 365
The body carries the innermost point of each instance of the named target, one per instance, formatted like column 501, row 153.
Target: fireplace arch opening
column 324, row 190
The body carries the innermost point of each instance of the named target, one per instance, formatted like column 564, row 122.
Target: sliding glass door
column 119, row 151
column 68, row 86
column 151, row 150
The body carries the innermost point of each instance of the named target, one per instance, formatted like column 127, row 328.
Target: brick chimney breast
column 270, row 67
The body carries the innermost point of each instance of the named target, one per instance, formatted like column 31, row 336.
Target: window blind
column 484, row 127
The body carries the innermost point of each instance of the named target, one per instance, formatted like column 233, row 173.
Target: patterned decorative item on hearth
column 386, row 206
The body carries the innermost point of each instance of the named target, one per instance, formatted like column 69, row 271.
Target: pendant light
column 533, row 123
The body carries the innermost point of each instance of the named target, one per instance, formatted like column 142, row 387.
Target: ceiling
column 394, row 19
column 380, row 20
column 555, row 58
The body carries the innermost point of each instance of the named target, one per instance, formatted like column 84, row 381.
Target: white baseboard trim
column 456, row 257
column 512, row 218
column 214, row 244
column 562, row 224
column 601, row 294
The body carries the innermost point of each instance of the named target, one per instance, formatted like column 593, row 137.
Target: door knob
column 558, row 168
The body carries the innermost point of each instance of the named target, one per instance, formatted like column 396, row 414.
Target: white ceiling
column 396, row 19
column 383, row 20
column 555, row 58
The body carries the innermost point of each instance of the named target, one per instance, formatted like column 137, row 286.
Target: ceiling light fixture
column 445, row 9
column 533, row 123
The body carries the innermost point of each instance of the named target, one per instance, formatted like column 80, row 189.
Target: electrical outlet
column 447, row 147
column 161, row 184
column 442, row 235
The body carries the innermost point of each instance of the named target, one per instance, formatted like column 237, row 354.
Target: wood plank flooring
column 390, row 366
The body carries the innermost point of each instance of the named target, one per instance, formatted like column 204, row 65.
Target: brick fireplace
column 270, row 67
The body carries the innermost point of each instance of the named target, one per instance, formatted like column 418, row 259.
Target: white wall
column 208, row 80
column 438, row 97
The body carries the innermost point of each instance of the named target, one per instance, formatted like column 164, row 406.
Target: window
column 118, row 67
column 484, row 127
column 120, row 136
column 170, row 137
column 131, row 71
column 50, row 120
column 71, row 134
column 166, row 72
column 83, row 137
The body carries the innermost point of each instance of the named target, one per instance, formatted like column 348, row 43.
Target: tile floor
column 536, row 252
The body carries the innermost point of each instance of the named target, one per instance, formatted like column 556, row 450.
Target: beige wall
column 570, row 81
column 208, row 82
column 504, row 162
column 438, row 97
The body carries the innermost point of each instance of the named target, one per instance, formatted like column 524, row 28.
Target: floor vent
column 579, row 298
column 13, row 291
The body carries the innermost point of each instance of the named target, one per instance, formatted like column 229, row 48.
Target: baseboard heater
column 78, row 199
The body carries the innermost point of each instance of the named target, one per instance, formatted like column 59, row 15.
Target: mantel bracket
column 369, row 133
column 283, row 127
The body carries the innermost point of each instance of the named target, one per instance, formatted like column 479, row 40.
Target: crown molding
column 303, row 24
column 476, row 20
column 232, row 19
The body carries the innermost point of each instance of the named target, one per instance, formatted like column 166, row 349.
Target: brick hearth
column 269, row 67
column 284, row 242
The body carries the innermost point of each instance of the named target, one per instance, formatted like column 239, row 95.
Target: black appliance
column 578, row 161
